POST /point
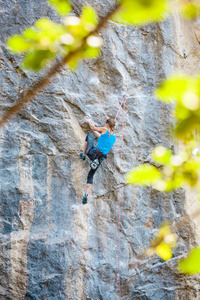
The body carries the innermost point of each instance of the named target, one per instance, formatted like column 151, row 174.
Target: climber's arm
column 97, row 134
column 98, row 129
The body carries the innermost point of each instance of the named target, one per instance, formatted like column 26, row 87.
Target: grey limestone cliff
column 53, row 247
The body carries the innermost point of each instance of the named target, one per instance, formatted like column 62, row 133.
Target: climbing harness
column 100, row 155
column 98, row 159
column 119, row 193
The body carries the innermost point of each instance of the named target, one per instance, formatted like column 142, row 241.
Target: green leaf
column 92, row 52
column 174, row 183
column 190, row 171
column 161, row 155
column 17, row 44
column 139, row 12
column 182, row 113
column 75, row 60
column 37, row 60
column 63, row 7
column 163, row 242
column 143, row 175
column 175, row 87
column 191, row 264
column 49, row 32
column 184, row 127
column 44, row 24
column 164, row 251
column 89, row 18
column 163, row 231
column 191, row 10
column 47, row 25
column 30, row 34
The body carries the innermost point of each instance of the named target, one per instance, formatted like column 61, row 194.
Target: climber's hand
column 87, row 121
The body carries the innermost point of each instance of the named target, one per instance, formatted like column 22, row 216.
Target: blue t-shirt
column 105, row 142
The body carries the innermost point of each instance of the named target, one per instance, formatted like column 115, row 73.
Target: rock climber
column 106, row 140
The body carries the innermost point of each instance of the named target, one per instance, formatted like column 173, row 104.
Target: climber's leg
column 88, row 188
column 90, row 177
column 84, row 148
column 89, row 184
column 89, row 143
column 90, row 151
column 92, row 154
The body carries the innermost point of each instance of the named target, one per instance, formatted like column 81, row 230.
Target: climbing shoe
column 81, row 156
column 84, row 200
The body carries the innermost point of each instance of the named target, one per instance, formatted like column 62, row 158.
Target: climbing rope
column 119, row 193
column 123, row 101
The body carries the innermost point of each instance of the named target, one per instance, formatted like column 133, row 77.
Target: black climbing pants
column 92, row 154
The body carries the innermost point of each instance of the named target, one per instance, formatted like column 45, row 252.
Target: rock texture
column 53, row 247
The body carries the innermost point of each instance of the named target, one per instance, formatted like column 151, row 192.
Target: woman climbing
column 97, row 154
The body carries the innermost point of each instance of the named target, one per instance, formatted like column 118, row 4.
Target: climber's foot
column 84, row 200
column 82, row 156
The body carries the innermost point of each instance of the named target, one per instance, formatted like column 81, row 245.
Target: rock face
column 53, row 247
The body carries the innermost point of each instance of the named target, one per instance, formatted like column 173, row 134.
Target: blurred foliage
column 144, row 175
column 46, row 39
column 190, row 9
column 184, row 91
column 163, row 243
column 134, row 12
column 191, row 264
column 174, row 171
column 63, row 7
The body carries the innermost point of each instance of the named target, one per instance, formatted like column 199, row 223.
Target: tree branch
column 45, row 80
